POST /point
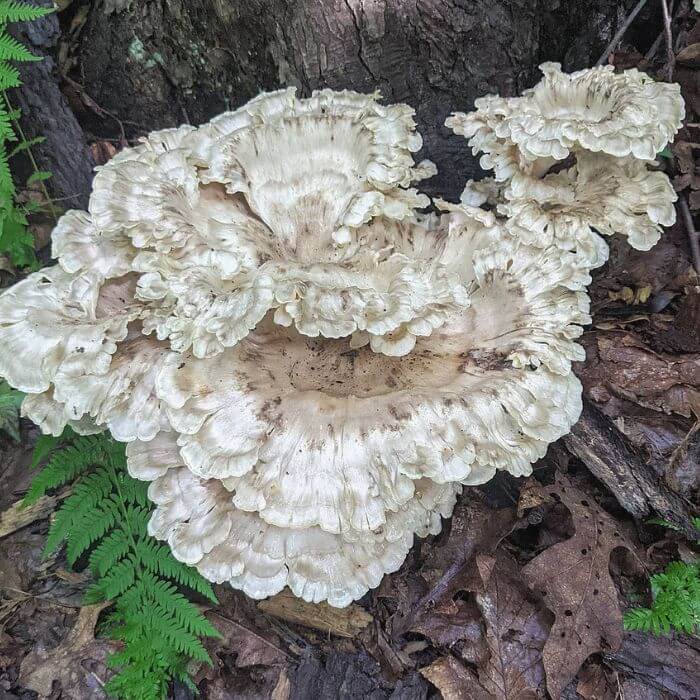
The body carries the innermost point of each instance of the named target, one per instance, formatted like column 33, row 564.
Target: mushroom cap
column 226, row 544
column 306, row 367
column 599, row 193
column 597, row 110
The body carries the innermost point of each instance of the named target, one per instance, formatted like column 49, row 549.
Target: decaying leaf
column 251, row 647
column 453, row 621
column 574, row 579
column 516, row 631
column 690, row 55
column 454, row 680
column 680, row 333
column 77, row 664
column 342, row 622
column 475, row 527
column 619, row 364
column 593, row 683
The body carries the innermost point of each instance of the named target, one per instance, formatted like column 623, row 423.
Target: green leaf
column 43, row 447
column 13, row 50
column 106, row 518
column 12, row 11
column 38, row 176
column 25, row 146
column 16, row 241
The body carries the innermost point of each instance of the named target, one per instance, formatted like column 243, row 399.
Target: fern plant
column 16, row 241
column 104, row 525
column 10, row 401
column 675, row 600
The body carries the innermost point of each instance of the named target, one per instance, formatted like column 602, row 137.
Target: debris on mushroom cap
column 306, row 368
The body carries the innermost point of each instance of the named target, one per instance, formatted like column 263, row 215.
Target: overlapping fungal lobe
column 306, row 367
column 572, row 157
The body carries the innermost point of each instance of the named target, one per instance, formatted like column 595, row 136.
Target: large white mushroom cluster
column 305, row 367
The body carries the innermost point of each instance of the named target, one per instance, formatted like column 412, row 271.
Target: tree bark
column 158, row 63
column 46, row 114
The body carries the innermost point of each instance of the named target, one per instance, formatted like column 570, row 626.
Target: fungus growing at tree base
column 306, row 366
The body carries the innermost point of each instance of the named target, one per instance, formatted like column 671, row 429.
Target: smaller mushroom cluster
column 571, row 157
column 306, row 366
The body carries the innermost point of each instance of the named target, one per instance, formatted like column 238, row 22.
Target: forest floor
column 522, row 595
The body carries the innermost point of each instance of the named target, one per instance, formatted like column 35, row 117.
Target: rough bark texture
column 611, row 457
column 667, row 663
column 155, row 63
column 45, row 113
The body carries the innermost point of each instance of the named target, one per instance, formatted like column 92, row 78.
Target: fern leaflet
column 104, row 524
column 676, row 600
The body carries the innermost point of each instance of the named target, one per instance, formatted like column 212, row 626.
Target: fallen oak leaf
column 574, row 579
column 252, row 648
column 593, row 683
column 475, row 527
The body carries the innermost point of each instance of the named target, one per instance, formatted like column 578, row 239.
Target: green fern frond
column 13, row 50
column 66, row 465
column 158, row 560
column 16, row 240
column 105, row 555
column 9, row 77
column 90, row 528
column 676, row 602
column 12, row 11
column 105, row 520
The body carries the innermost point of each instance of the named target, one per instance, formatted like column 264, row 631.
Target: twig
column 657, row 42
column 615, row 40
column 670, row 56
column 692, row 233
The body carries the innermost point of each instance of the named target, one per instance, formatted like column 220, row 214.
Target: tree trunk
column 157, row 63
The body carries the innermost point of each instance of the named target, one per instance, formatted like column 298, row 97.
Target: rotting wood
column 341, row 622
column 17, row 516
column 612, row 458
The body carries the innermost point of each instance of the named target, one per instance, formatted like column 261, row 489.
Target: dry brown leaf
column 252, row 648
column 77, row 664
column 685, row 160
column 342, row 622
column 622, row 365
column 690, row 55
column 574, row 579
column 102, row 151
column 680, row 333
column 455, row 621
column 530, row 496
column 454, row 680
column 516, row 631
column 593, row 683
